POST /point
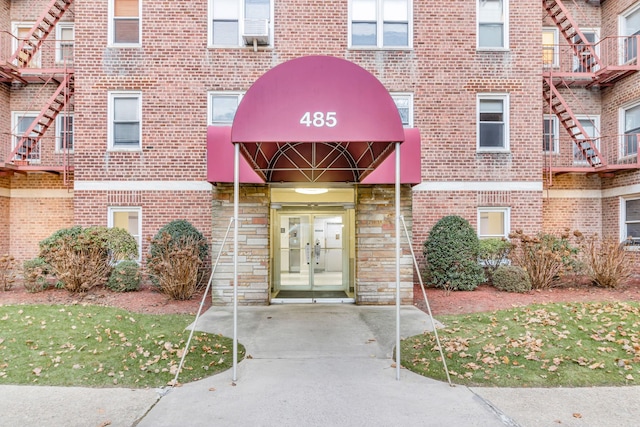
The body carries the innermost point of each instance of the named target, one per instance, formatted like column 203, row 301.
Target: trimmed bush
column 177, row 256
column 125, row 277
column 35, row 272
column 511, row 278
column 451, row 254
column 493, row 253
column 81, row 258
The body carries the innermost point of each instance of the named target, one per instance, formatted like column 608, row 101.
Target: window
column 631, row 129
column 21, row 32
column 64, row 132
column 64, row 42
column 230, row 19
column 630, row 27
column 591, row 126
column 550, row 47
column 404, row 102
column 587, row 63
column 630, row 224
column 125, row 28
column 380, row 23
column 21, row 121
column 130, row 219
column 493, row 223
column 550, row 134
column 222, row 107
column 125, row 131
column 493, row 24
column 493, row 122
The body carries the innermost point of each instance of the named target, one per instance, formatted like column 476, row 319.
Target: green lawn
column 550, row 345
column 103, row 346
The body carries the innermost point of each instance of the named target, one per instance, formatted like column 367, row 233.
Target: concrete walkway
column 318, row 365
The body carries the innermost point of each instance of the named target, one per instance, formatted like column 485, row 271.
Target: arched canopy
column 316, row 119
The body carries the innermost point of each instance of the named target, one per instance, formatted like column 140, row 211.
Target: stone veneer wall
column 253, row 245
column 375, row 246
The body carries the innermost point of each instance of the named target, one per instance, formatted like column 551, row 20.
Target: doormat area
column 312, row 294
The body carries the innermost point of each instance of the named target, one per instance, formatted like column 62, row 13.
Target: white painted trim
column 111, row 29
column 479, row 186
column 142, row 186
column 111, row 118
column 40, row 193
column 573, row 194
column 626, row 190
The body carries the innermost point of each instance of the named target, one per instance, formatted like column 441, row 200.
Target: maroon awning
column 311, row 119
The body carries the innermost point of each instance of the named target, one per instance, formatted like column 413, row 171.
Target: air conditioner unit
column 256, row 31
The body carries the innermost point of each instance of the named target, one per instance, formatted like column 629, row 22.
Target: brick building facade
column 140, row 82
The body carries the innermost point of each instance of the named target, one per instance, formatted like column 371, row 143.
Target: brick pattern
column 375, row 246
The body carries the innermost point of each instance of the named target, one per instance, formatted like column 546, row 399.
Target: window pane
column 128, row 8
column 492, row 223
column 225, row 9
column 491, row 135
column 490, row 11
column 490, row 35
column 125, row 31
column 125, row 109
column 395, row 10
column 225, row 33
column 66, row 33
column 548, row 46
column 363, row 10
column 632, row 119
column 395, row 35
column 24, row 123
column 126, row 133
column 548, row 143
column 363, row 34
column 256, row 9
column 491, row 106
column 66, row 133
column 633, row 230
column 224, row 108
column 632, row 23
column 633, row 210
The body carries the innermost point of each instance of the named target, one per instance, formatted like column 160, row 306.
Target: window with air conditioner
column 380, row 24
column 235, row 23
column 125, row 27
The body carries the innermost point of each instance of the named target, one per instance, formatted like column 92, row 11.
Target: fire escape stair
column 572, row 125
column 44, row 25
column 47, row 116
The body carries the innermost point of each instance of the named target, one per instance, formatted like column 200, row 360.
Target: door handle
column 317, row 252
column 307, row 251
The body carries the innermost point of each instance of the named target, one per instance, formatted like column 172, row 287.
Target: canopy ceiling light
column 311, row 190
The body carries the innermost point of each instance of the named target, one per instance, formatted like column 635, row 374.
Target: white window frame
column 622, row 130
column 111, row 110
column 405, row 96
column 504, row 97
column 556, row 41
column 505, row 28
column 59, row 133
column 622, row 25
column 110, row 220
column 241, row 19
column 210, row 97
column 380, row 29
column 36, row 61
column 555, row 132
column 506, row 224
column 111, row 27
column 596, row 135
column 575, row 66
column 59, row 42
column 15, row 118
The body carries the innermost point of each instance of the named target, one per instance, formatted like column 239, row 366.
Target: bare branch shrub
column 544, row 257
column 174, row 263
column 606, row 261
column 7, row 272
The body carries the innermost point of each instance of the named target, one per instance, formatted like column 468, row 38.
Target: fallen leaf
column 577, row 415
column 37, row 371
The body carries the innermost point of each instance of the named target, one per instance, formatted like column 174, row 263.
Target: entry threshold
column 312, row 297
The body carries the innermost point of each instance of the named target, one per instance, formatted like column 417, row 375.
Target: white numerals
column 319, row 119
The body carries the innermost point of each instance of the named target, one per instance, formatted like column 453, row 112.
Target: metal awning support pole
column 397, row 261
column 236, row 199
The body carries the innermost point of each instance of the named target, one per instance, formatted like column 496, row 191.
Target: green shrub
column 81, row 258
column 492, row 254
column 125, row 277
column 35, row 272
column 451, row 254
column 511, row 278
column 174, row 265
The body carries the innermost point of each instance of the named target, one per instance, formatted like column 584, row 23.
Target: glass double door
column 311, row 252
